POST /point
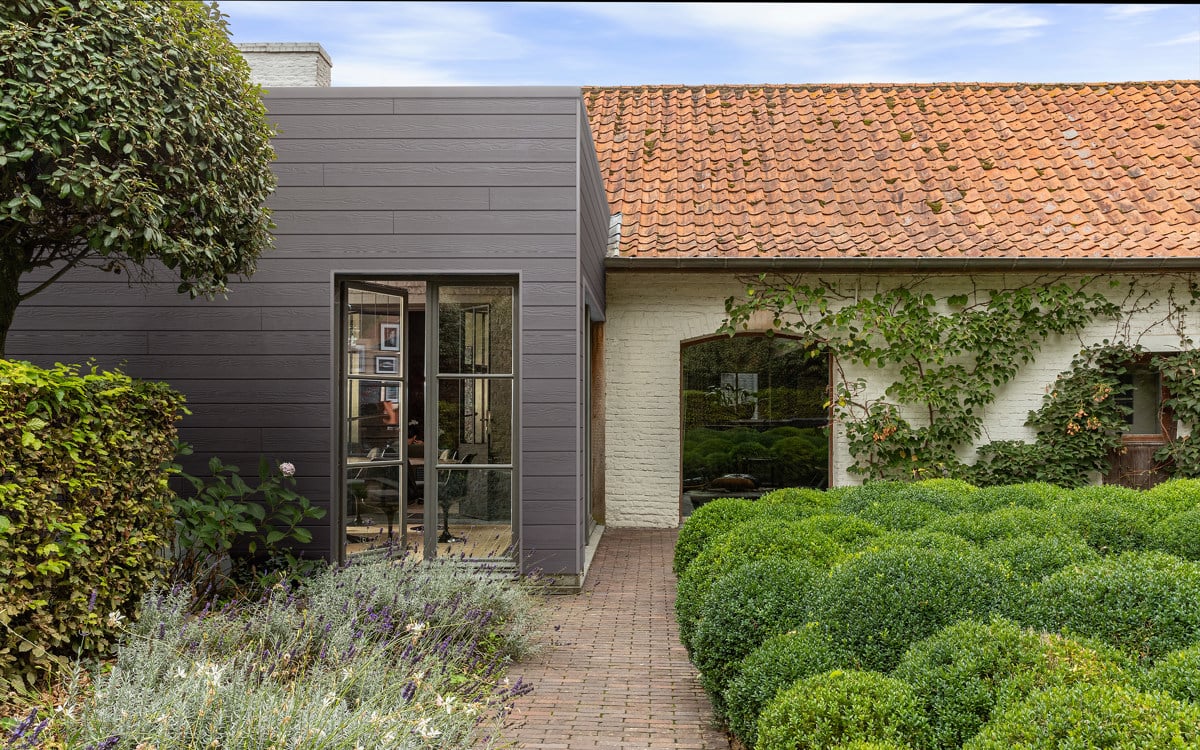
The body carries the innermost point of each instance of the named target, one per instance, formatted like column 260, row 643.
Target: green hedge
column 1177, row 673
column 85, row 509
column 707, row 522
column 1092, row 716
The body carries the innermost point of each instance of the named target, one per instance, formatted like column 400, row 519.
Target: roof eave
column 884, row 265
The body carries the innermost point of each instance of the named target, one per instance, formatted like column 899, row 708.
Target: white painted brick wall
column 650, row 314
column 275, row 64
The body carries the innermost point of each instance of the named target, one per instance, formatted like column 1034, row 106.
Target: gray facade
column 377, row 183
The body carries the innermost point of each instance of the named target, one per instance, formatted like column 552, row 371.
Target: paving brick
column 614, row 676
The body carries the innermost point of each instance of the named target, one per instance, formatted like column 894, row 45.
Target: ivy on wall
column 948, row 356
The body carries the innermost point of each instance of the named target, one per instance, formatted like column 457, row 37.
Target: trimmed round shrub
column 1144, row 603
column 707, row 522
column 868, row 745
column 1032, row 558
column 839, row 706
column 879, row 603
column 744, row 608
column 773, row 666
column 1002, row 523
column 916, row 539
column 1177, row 673
column 962, row 673
column 900, row 514
column 1091, row 716
column 804, row 499
column 841, row 527
column 1175, row 495
column 761, row 538
column 1107, row 526
column 1027, row 495
column 946, row 495
column 1178, row 534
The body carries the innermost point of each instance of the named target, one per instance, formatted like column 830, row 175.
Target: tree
column 129, row 133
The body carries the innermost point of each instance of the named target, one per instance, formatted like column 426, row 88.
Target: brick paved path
column 615, row 676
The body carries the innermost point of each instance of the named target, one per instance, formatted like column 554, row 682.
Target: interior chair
column 452, row 487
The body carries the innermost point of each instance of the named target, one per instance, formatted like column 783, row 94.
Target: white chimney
column 287, row 63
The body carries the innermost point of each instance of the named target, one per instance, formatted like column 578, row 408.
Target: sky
column 612, row 44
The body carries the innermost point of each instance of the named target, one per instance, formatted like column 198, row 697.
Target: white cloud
column 1129, row 11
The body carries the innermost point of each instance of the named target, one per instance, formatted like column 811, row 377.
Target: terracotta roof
column 1018, row 171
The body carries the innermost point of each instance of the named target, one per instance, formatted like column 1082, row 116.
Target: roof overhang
column 895, row 265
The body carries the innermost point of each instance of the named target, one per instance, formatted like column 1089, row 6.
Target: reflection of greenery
column 784, row 456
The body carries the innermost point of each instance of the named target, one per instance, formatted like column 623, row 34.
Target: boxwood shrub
column 1087, row 716
column 1178, row 534
column 1177, row 673
column 1032, row 557
column 85, row 509
column 1027, row 495
column 842, row 528
column 900, row 514
column 879, row 603
column 1144, row 603
column 773, row 666
column 744, row 608
column 842, row 706
column 962, row 673
column 707, row 522
column 761, row 538
column 1108, row 525
column 1174, row 495
column 1001, row 523
column 805, row 500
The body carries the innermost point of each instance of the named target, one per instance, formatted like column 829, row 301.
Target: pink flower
column 288, row 470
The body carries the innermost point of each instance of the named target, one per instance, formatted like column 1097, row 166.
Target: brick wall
column 650, row 314
column 278, row 64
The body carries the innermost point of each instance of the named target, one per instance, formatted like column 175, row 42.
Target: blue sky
column 450, row 43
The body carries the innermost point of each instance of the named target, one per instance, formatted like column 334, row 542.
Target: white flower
column 114, row 619
column 416, row 628
column 447, row 702
column 425, row 730
column 287, row 469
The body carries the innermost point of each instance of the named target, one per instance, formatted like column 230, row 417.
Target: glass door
column 469, row 510
column 378, row 498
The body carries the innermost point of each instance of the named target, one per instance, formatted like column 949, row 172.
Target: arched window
column 754, row 416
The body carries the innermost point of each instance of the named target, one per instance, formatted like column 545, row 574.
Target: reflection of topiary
column 830, row 709
column 773, row 666
column 757, row 539
column 966, row 671
column 1145, row 603
column 879, row 603
column 707, row 522
column 1085, row 716
column 742, row 609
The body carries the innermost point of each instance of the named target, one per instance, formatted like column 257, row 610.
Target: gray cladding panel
column 382, row 181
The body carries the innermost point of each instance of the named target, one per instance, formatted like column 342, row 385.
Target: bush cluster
column 85, row 509
column 938, row 615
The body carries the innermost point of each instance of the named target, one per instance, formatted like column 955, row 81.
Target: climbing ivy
column 948, row 355
column 1181, row 378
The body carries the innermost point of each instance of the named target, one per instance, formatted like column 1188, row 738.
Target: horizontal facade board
column 531, row 198
column 551, row 490
column 345, row 107
column 432, row 246
column 549, row 439
column 247, row 463
column 549, row 174
column 554, row 512
column 551, row 562
column 382, row 199
column 549, row 463
column 537, row 414
column 68, row 343
column 537, row 365
column 549, row 342
column 34, row 317
column 245, row 440
column 292, row 416
column 310, row 223
column 483, row 106
column 483, row 222
column 537, row 536
column 425, row 125
column 290, row 175
column 552, row 390
column 299, row 318
column 552, row 293
column 315, row 392
column 159, row 294
column 321, row 270
column 184, row 364
column 449, row 150
column 548, row 318
column 242, row 342
column 280, row 440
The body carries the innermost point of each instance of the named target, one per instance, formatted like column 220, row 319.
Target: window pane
column 476, row 328
column 475, row 512
column 754, row 416
column 373, row 419
column 475, row 419
column 1146, row 390
column 374, row 495
column 374, row 332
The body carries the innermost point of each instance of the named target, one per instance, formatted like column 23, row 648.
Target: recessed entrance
column 427, row 425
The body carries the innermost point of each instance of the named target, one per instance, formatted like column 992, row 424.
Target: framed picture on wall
column 386, row 365
column 389, row 337
column 390, row 393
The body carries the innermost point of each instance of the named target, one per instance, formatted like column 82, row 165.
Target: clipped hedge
column 1087, row 716
column 1177, row 673
column 839, row 707
column 707, row 522
column 962, row 673
column 877, row 604
column 1031, row 558
column 1144, row 603
column 776, row 664
column 761, row 538
column 1002, row 523
column 85, row 510
column 1034, row 495
column 1178, row 534
column 745, row 607
column 1111, row 524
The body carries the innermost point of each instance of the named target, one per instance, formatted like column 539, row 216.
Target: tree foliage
column 129, row 133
